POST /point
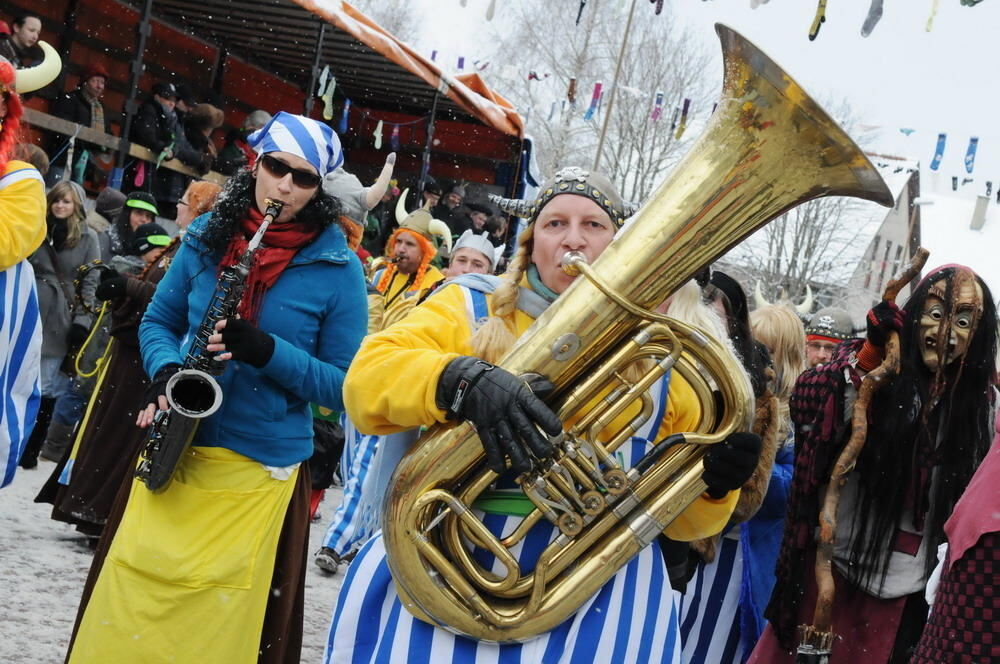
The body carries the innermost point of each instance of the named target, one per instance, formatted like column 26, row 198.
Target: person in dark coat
column 156, row 127
column 82, row 106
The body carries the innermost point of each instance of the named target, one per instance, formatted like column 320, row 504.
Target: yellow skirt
column 188, row 574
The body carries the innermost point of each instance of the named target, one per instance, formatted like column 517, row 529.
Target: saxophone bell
column 194, row 393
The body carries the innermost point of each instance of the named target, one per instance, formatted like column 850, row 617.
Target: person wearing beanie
column 826, row 329
column 223, row 544
column 437, row 366
column 149, row 241
column 81, row 105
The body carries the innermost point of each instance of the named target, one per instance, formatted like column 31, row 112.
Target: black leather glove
column 110, row 289
column 77, row 335
column 729, row 465
column 110, row 273
column 247, row 342
column 158, row 386
column 883, row 318
column 502, row 408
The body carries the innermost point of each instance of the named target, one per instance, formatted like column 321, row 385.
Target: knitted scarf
column 280, row 244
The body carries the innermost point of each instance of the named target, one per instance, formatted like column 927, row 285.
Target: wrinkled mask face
column 945, row 331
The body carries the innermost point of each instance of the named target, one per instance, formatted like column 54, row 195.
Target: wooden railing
column 48, row 122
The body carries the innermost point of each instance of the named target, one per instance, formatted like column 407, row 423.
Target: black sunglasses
column 280, row 169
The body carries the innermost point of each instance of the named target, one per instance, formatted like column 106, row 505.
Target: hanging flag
column 571, row 91
column 906, row 131
column 657, row 107
column 434, row 55
column 461, row 63
column 321, row 88
column 930, row 19
column 378, row 135
column 970, row 154
column 989, row 187
column 394, row 138
column 659, row 6
column 954, row 183
column 328, row 99
column 874, row 16
column 819, row 20
column 684, row 118
column 579, row 13
column 342, row 128
column 552, row 112
column 594, row 98
column 938, row 152
column 673, row 123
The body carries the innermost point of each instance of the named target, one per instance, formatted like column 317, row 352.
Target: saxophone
column 767, row 148
column 192, row 392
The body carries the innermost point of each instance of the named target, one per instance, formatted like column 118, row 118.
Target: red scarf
column 280, row 243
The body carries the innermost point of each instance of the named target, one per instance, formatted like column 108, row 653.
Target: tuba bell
column 767, row 148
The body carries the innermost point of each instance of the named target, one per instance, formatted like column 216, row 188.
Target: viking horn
column 515, row 206
column 439, row 228
column 375, row 192
column 33, row 78
column 807, row 303
column 758, row 298
column 401, row 212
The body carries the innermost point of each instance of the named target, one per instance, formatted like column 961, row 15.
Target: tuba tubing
column 768, row 148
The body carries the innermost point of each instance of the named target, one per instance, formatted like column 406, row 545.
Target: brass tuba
column 767, row 148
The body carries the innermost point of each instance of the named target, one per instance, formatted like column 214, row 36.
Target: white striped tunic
column 345, row 530
column 633, row 618
column 710, row 630
column 20, row 357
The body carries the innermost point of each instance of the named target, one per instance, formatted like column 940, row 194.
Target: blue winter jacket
column 317, row 313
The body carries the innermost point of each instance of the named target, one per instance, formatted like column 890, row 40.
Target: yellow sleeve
column 22, row 213
column 705, row 516
column 392, row 382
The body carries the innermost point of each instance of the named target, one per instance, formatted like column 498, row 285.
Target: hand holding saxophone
column 503, row 409
column 236, row 339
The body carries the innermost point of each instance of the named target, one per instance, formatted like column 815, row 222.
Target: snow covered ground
column 43, row 565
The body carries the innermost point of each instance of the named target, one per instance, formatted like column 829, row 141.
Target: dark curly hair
column 237, row 197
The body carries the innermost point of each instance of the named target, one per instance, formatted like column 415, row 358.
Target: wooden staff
column 816, row 640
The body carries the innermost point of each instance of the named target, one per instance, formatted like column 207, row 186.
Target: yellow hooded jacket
column 397, row 301
column 392, row 383
column 22, row 209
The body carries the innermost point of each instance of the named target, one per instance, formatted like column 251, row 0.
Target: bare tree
column 398, row 17
column 660, row 56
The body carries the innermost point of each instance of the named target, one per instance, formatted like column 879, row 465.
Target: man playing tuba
column 436, row 365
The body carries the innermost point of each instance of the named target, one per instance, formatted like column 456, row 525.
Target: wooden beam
column 66, row 128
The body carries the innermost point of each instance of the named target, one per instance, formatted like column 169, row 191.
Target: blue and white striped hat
column 313, row 141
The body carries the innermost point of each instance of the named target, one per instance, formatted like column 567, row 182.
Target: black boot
column 29, row 458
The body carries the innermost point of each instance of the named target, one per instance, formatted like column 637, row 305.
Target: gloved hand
column 245, row 342
column 883, row 318
column 110, row 289
column 730, row 464
column 77, row 335
column 158, row 386
column 502, row 408
column 155, row 396
column 110, row 273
